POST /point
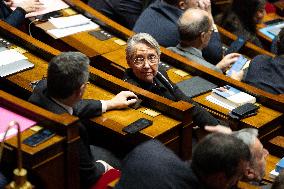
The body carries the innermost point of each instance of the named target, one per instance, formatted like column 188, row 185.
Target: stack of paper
column 13, row 62
column 65, row 26
column 69, row 21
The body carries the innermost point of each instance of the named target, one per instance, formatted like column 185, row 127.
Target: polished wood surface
column 172, row 126
column 51, row 164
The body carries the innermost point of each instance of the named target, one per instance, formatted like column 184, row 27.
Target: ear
column 181, row 5
column 79, row 92
column 203, row 37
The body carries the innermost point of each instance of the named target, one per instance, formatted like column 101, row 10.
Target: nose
column 146, row 64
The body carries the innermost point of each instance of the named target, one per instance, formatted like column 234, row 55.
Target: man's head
column 219, row 160
column 67, row 75
column 143, row 56
column 256, row 168
column 195, row 28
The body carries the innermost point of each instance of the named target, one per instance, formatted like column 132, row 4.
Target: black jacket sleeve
column 14, row 18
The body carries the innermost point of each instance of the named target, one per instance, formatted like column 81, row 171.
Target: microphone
column 20, row 174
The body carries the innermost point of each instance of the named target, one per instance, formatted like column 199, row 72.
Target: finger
column 210, row 128
column 129, row 94
column 131, row 101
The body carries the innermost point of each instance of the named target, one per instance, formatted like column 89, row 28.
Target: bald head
column 192, row 23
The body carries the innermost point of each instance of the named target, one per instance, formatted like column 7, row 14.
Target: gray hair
column 248, row 136
column 143, row 38
column 66, row 73
column 190, row 29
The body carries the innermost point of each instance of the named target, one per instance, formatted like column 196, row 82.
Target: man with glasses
column 195, row 28
column 256, row 168
column 143, row 57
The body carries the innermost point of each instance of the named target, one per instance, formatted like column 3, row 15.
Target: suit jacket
column 266, row 73
column 163, row 87
column 125, row 12
column 194, row 55
column 160, row 20
column 14, row 18
column 90, row 171
column 153, row 166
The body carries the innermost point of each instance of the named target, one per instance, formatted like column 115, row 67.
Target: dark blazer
column 153, row 166
column 266, row 73
column 160, row 20
column 163, row 87
column 14, row 18
column 125, row 12
column 90, row 171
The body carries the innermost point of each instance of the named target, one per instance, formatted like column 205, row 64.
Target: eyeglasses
column 211, row 30
column 152, row 60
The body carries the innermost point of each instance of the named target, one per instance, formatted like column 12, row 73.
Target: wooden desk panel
column 266, row 117
column 168, row 126
column 54, row 163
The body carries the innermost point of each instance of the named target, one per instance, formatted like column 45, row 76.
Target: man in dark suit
column 218, row 162
column 143, row 57
column 160, row 20
column 62, row 92
column 266, row 72
column 16, row 17
column 125, row 12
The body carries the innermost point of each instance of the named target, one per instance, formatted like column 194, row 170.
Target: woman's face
column 259, row 15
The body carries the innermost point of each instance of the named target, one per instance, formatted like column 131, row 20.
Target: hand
column 120, row 100
column 227, row 61
column 204, row 5
column 219, row 129
column 29, row 5
column 237, row 75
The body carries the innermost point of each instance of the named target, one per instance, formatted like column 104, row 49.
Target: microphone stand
column 20, row 174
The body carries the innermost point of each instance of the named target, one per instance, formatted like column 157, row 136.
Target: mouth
column 147, row 73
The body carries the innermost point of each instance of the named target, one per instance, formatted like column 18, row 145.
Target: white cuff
column 105, row 164
column 104, row 106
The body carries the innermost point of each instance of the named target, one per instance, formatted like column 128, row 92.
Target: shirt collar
column 68, row 108
column 191, row 50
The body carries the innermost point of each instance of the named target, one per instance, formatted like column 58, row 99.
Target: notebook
column 13, row 62
column 195, row 86
column 7, row 116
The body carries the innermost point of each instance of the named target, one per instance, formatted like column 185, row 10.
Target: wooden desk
column 54, row 163
column 172, row 126
column 82, row 41
column 266, row 121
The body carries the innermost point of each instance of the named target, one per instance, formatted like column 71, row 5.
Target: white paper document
column 10, row 56
column 69, row 21
column 63, row 32
column 48, row 6
column 218, row 102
